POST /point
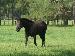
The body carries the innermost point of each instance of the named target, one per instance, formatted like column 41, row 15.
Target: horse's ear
column 17, row 15
column 18, row 19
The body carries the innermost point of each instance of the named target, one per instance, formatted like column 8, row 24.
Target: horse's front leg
column 43, row 40
column 26, row 40
column 35, row 41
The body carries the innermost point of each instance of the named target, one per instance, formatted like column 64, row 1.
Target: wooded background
column 51, row 11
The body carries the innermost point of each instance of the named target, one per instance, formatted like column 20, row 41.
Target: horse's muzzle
column 17, row 29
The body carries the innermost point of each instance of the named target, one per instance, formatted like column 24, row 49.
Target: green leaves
column 35, row 8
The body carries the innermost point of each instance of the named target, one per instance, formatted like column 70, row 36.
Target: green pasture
column 60, row 41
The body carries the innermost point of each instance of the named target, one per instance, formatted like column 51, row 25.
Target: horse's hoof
column 35, row 44
column 43, row 46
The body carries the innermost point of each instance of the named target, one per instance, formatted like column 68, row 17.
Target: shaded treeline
column 47, row 10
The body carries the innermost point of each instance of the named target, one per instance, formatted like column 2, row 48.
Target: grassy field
column 60, row 41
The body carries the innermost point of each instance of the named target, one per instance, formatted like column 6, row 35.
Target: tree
column 73, row 10
column 2, row 9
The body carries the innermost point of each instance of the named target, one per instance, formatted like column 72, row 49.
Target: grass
column 60, row 41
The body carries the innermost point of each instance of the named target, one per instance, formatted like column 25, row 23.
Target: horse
column 32, row 28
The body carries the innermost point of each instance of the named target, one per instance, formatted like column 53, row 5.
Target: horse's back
column 38, row 27
column 41, row 26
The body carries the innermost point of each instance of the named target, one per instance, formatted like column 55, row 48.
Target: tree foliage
column 34, row 8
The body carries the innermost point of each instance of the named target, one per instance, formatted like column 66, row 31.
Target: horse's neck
column 28, row 25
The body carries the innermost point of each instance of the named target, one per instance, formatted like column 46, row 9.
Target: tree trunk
column 74, row 11
column 8, row 14
column 0, row 16
column 47, row 22
column 57, row 21
column 4, row 21
column 12, row 12
column 8, row 18
column 66, row 22
column 74, row 21
column 0, row 20
column 61, row 23
column 12, row 20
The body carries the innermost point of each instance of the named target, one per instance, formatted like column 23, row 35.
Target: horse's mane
column 25, row 19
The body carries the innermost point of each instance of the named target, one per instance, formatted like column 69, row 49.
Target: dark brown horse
column 32, row 29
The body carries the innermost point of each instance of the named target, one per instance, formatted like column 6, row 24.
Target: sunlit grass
column 60, row 41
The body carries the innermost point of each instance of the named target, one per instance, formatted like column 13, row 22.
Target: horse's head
column 18, row 25
column 23, row 22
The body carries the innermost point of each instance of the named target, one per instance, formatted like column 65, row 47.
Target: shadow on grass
column 17, row 54
column 22, row 54
column 56, row 53
column 63, row 52
column 67, row 53
column 27, row 54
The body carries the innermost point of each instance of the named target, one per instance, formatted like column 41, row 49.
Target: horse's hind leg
column 35, row 41
column 26, row 40
column 43, row 40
